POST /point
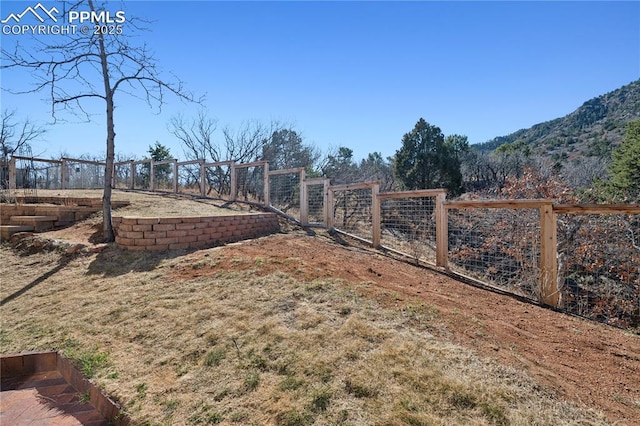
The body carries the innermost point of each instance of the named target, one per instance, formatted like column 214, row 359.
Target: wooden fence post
column 549, row 294
column 325, row 200
column 304, row 203
column 234, row 183
column 203, row 178
column 175, row 175
column 442, row 230
column 132, row 178
column 12, row 173
column 63, row 174
column 375, row 215
column 152, row 176
column 328, row 218
column 265, row 179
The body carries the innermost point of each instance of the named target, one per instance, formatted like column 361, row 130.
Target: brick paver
column 44, row 399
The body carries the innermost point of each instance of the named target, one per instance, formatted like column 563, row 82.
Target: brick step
column 39, row 223
column 6, row 231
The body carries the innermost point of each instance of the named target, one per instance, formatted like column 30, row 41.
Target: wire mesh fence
column 218, row 178
column 250, row 183
column 4, row 175
column 122, row 175
column 500, row 246
column 408, row 225
column 189, row 178
column 599, row 266
column 163, row 176
column 84, row 175
column 315, row 196
column 352, row 211
column 34, row 174
column 284, row 192
column 498, row 242
column 141, row 177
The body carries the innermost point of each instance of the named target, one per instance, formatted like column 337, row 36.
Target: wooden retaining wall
column 175, row 233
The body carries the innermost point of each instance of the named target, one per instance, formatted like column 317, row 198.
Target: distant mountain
column 594, row 129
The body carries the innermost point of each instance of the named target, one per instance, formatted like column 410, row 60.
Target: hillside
column 591, row 130
column 301, row 328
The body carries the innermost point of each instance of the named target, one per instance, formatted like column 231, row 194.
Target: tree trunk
column 107, row 227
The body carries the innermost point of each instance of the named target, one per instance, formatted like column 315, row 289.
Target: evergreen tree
column 340, row 167
column 428, row 160
column 377, row 168
column 625, row 165
column 286, row 150
column 161, row 173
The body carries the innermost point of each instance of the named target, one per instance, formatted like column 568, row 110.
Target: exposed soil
column 587, row 362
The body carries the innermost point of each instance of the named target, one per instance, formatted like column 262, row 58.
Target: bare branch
column 13, row 136
column 196, row 136
column 73, row 68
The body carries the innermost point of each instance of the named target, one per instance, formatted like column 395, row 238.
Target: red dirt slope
column 586, row 362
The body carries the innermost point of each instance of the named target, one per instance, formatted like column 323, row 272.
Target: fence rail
column 582, row 258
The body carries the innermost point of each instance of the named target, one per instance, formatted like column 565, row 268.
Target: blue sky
column 359, row 74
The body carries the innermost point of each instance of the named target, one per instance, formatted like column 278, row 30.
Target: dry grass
column 252, row 345
column 150, row 204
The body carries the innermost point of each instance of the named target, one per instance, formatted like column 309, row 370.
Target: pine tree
column 625, row 165
column 162, row 172
column 428, row 160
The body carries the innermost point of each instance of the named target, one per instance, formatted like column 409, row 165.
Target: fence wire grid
column 218, row 181
column 189, row 178
column 81, row 175
column 500, row 246
column 163, row 177
column 408, row 225
column 250, row 183
column 284, row 193
column 598, row 254
column 141, row 177
column 352, row 212
column 122, row 176
column 32, row 174
column 315, row 203
column 599, row 266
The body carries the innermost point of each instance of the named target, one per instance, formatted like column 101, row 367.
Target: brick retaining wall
column 67, row 214
column 172, row 233
column 62, row 200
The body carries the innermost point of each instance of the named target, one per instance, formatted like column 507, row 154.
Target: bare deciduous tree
column 15, row 135
column 196, row 136
column 582, row 172
column 74, row 68
column 243, row 145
